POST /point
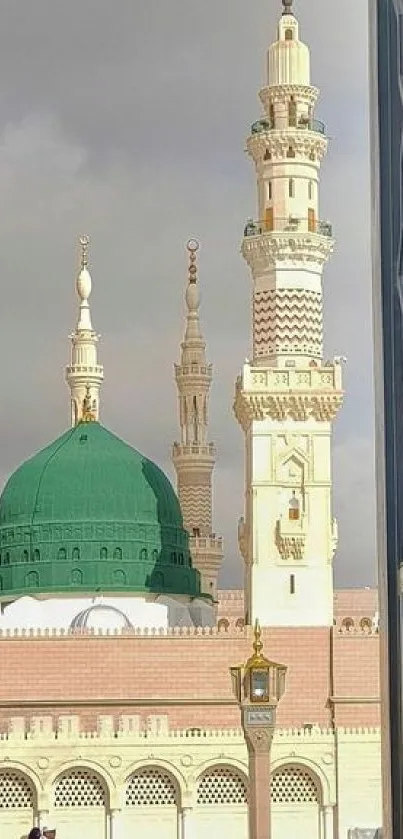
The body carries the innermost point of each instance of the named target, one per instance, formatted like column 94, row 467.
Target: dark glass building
column 386, row 51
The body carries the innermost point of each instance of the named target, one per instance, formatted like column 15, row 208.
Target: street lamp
column 258, row 686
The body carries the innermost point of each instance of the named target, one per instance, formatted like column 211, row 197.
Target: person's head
column 35, row 833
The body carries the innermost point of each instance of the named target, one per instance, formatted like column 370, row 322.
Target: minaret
column 84, row 376
column 287, row 396
column 194, row 456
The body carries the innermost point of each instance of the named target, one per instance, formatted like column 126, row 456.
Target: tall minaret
column 84, row 376
column 287, row 396
column 194, row 456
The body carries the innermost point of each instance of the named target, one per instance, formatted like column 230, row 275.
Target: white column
column 186, row 826
column 115, row 824
column 43, row 818
column 327, row 822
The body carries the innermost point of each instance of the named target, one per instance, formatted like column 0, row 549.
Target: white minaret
column 287, row 396
column 84, row 375
column 194, row 456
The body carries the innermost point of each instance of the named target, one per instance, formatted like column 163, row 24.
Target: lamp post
column 258, row 686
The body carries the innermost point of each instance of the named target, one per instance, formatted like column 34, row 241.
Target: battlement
column 143, row 632
column 134, row 727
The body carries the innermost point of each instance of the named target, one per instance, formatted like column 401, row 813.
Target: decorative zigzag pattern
column 195, row 504
column 287, row 321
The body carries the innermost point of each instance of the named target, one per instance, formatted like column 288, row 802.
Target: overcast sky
column 127, row 120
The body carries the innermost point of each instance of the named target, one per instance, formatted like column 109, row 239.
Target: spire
column 194, row 456
column 84, row 375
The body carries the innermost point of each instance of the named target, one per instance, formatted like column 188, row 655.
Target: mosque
column 117, row 717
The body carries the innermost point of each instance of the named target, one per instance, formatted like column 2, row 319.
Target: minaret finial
column 287, row 7
column 192, row 246
column 84, row 242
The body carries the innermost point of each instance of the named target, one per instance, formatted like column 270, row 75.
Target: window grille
column 79, row 788
column 16, row 790
column 151, row 787
column 293, row 784
column 221, row 785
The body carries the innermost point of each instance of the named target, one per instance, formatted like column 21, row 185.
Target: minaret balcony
column 302, row 240
column 184, row 450
column 279, row 394
column 292, row 224
column 315, row 125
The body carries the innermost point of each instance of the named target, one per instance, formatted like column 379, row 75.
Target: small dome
column 99, row 615
column 91, row 514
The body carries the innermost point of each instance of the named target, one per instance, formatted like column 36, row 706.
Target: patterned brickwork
column 287, row 321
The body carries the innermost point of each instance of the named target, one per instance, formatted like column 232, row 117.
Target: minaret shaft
column 194, row 456
column 287, row 397
column 84, row 375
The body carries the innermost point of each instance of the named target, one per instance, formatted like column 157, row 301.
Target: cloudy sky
column 127, row 121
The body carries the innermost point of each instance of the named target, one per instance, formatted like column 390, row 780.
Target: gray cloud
column 128, row 120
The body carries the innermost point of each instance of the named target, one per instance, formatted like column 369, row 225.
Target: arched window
column 291, row 189
column 16, row 790
column 32, row 579
column 155, row 555
column 270, row 190
column 79, row 788
column 221, row 785
column 151, row 787
column 36, row 555
column 117, row 554
column 7, row 558
column 240, row 623
column 267, row 155
column 310, row 190
column 119, row 577
column 76, row 553
column 25, row 556
column 62, row 554
column 292, row 113
column 104, row 553
column 290, row 152
column 289, row 35
column 143, row 555
column 76, row 577
column 293, row 508
column 294, row 785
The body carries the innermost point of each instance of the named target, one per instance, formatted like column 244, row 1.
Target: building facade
column 116, row 709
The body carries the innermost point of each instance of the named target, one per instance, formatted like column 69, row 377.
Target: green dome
column 89, row 513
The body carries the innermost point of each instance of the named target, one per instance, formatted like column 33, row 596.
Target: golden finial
column 192, row 246
column 87, row 414
column 257, row 643
column 84, row 242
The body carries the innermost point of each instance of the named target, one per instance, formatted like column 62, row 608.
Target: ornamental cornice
column 305, row 143
column 299, row 407
column 270, row 393
column 266, row 250
column 282, row 92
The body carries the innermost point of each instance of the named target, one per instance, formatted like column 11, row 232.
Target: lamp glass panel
column 259, row 682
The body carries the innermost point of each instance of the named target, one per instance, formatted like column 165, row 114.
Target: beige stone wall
column 180, row 785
